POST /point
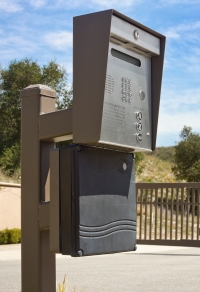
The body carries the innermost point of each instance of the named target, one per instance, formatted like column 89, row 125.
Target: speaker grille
column 109, row 88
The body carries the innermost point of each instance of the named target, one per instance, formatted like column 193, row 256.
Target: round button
column 142, row 95
column 139, row 127
column 125, row 166
column 138, row 116
column 139, row 137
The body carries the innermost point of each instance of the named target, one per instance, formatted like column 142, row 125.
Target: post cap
column 35, row 89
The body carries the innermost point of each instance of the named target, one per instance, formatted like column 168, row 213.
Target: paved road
column 151, row 268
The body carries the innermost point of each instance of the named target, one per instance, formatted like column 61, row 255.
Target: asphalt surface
column 150, row 268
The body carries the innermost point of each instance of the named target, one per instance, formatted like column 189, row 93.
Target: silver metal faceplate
column 133, row 37
column 126, row 119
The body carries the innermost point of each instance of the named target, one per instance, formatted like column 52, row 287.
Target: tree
column 17, row 76
column 187, row 156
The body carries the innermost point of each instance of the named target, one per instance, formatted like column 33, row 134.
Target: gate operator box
column 117, row 73
column 93, row 203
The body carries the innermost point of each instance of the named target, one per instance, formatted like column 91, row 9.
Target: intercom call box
column 117, row 73
column 117, row 79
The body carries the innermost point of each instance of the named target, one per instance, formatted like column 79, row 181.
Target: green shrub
column 10, row 160
column 10, row 236
column 15, row 235
column 4, row 236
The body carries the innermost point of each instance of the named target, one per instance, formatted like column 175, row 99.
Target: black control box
column 97, row 201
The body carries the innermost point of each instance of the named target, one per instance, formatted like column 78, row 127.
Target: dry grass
column 156, row 170
column 142, row 210
column 13, row 179
column 64, row 287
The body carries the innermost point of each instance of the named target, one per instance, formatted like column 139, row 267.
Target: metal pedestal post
column 38, row 264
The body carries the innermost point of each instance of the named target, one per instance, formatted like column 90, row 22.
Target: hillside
column 156, row 167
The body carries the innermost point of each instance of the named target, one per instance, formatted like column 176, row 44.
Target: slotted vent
column 109, row 88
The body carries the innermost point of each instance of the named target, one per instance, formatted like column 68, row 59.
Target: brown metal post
column 38, row 264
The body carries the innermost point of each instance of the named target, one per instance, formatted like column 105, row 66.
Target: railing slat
column 166, row 214
column 150, row 229
column 145, row 222
column 193, row 213
column 177, row 207
column 188, row 207
column 182, row 211
column 141, row 211
column 161, row 212
column 156, row 212
column 198, row 211
column 171, row 215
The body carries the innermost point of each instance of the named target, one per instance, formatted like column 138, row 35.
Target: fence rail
column 168, row 213
column 11, row 185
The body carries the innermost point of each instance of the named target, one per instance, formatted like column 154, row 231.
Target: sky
column 43, row 30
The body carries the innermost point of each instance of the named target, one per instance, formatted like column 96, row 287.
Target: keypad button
column 139, row 137
column 139, row 127
column 139, row 116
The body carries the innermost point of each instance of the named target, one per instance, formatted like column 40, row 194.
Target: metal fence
column 168, row 213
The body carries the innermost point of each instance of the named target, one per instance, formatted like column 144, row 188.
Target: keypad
column 126, row 90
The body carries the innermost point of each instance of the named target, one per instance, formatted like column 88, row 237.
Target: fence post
column 38, row 264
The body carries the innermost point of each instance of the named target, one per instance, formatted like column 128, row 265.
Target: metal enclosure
column 97, row 203
column 117, row 71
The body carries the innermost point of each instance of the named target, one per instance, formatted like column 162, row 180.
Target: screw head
column 136, row 34
column 78, row 147
column 80, row 253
